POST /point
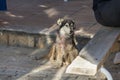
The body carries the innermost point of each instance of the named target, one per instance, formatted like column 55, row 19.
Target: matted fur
column 64, row 50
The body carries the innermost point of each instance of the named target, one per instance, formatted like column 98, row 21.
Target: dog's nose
column 71, row 32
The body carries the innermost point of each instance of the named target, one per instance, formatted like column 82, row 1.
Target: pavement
column 21, row 64
column 18, row 63
column 34, row 16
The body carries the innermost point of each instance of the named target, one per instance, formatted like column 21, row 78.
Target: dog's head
column 66, row 27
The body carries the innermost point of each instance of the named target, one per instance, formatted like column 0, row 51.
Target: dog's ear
column 59, row 21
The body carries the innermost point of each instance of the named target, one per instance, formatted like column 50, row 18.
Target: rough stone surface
column 112, row 68
column 41, row 42
column 21, row 64
column 117, row 58
column 37, row 16
column 31, row 41
column 23, row 40
column 3, row 38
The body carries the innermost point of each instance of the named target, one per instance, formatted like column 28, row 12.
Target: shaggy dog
column 64, row 50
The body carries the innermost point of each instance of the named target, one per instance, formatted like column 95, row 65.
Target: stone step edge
column 47, row 32
column 21, row 38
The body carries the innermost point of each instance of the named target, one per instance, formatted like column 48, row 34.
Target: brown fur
column 64, row 50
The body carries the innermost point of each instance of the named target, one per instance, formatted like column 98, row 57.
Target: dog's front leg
column 52, row 53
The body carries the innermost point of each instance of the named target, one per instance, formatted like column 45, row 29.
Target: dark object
column 3, row 5
column 107, row 12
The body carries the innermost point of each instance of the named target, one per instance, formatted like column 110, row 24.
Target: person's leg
column 108, row 13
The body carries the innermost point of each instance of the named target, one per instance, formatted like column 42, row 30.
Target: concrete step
column 42, row 39
column 24, row 39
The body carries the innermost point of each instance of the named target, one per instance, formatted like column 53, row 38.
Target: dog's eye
column 71, row 24
column 67, row 25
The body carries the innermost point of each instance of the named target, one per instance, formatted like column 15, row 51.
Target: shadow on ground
column 37, row 15
column 21, row 64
